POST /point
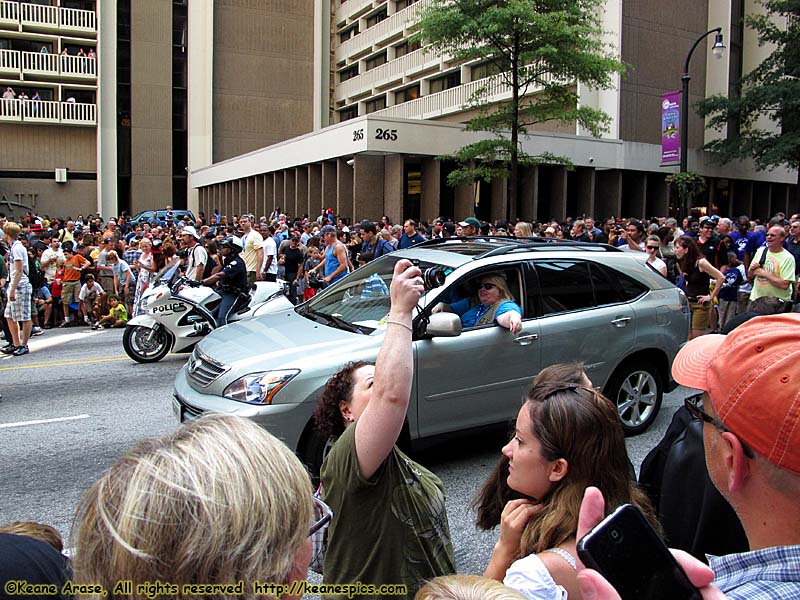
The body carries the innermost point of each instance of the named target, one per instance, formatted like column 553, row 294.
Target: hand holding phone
column 626, row 550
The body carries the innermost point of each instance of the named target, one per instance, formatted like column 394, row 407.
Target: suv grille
column 204, row 370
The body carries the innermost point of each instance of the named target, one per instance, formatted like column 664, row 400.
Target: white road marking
column 42, row 342
column 42, row 421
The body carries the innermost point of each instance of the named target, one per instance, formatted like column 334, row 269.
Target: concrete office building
column 384, row 110
column 126, row 87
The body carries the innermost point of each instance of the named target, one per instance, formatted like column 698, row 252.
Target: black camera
column 182, row 253
column 432, row 277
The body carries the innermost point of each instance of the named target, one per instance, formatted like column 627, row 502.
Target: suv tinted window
column 567, row 285
column 564, row 285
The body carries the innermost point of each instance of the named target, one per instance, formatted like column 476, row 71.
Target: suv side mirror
column 443, row 324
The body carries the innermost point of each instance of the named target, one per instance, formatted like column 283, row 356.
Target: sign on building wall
column 670, row 128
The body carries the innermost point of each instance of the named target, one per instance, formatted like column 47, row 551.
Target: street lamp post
column 718, row 48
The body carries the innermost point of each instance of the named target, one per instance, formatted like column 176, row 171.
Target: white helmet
column 232, row 242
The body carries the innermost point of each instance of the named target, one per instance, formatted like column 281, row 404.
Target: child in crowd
column 117, row 314
column 312, row 261
column 89, row 296
column 735, row 275
column 55, row 292
column 43, row 299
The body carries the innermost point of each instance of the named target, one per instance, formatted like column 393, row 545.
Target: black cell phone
column 628, row 552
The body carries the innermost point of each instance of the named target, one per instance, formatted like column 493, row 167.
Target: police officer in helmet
column 231, row 280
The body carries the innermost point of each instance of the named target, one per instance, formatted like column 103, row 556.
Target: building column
column 107, row 110
column 499, row 199
column 328, row 185
column 301, row 191
column 464, row 204
column 431, row 189
column 344, row 188
column 608, row 193
column 200, row 79
column 368, row 187
column 269, row 193
column 314, row 190
column 585, row 182
column 393, row 195
column 529, row 194
column 290, row 192
column 557, row 202
column 279, row 193
column 742, row 197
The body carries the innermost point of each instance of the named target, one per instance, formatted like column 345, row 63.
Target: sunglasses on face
column 692, row 405
column 652, row 247
column 322, row 516
column 486, row 286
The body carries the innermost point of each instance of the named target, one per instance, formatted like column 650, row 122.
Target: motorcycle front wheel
column 146, row 345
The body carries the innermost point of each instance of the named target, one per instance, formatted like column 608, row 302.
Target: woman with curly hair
column 567, row 438
column 389, row 524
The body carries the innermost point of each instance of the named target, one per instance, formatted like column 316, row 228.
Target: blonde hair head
column 12, row 230
column 218, row 501
column 466, row 587
column 501, row 283
column 525, row 229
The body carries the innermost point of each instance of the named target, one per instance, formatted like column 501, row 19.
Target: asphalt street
column 77, row 402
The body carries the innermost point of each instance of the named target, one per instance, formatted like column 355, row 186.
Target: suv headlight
column 259, row 388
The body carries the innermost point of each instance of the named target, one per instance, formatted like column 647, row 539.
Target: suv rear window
column 567, row 284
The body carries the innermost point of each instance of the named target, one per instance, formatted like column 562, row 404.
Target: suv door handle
column 620, row 321
column 525, row 340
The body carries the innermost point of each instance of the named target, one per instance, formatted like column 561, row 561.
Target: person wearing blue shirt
column 334, row 263
column 746, row 241
column 410, row 235
column 493, row 304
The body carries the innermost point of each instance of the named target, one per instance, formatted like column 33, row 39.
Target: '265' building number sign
column 380, row 134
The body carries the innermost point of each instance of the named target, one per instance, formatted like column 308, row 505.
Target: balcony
column 405, row 66
column 14, row 63
column 39, row 64
column 24, row 16
column 75, row 20
column 351, row 7
column 9, row 63
column 396, row 24
column 9, row 14
column 48, row 111
column 449, row 101
column 78, row 67
column 39, row 17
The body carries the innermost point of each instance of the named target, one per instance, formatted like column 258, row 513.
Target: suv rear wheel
column 636, row 389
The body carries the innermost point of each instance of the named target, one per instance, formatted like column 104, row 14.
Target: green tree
column 538, row 49
column 770, row 90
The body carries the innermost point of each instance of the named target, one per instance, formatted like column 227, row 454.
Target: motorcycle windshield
column 170, row 274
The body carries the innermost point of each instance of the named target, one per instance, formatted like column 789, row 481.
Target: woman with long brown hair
column 697, row 272
column 568, row 437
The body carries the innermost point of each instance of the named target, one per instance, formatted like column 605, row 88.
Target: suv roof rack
column 507, row 244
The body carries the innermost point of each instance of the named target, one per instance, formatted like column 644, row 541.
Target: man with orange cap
column 751, row 436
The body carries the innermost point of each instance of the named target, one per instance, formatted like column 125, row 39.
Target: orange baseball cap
column 752, row 376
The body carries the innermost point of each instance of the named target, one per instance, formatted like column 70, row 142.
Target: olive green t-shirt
column 391, row 529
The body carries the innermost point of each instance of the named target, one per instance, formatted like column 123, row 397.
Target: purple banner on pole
column 670, row 128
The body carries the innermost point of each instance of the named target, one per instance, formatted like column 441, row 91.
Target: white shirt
column 86, row 290
column 530, row 577
column 270, row 249
column 18, row 253
column 197, row 256
column 55, row 258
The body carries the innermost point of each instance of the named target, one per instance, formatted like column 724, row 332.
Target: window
column 348, row 33
column 375, row 104
column 351, row 112
column 401, row 4
column 376, row 61
column 376, row 18
column 405, row 48
column 446, row 82
column 348, row 73
column 411, row 93
column 567, row 285
column 564, row 285
column 484, row 70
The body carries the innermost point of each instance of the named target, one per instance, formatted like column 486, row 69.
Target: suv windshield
column 361, row 299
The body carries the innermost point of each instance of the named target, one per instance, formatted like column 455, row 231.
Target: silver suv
column 581, row 302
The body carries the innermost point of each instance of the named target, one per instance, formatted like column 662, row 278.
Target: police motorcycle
column 175, row 316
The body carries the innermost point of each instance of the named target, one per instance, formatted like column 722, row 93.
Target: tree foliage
column 538, row 49
column 771, row 90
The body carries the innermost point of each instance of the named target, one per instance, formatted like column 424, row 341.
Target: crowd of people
column 94, row 272
column 222, row 502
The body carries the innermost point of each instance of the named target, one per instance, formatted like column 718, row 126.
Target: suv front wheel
column 636, row 389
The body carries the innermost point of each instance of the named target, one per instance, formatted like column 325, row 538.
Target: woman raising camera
column 389, row 524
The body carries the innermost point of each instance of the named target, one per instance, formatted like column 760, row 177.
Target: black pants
column 289, row 278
